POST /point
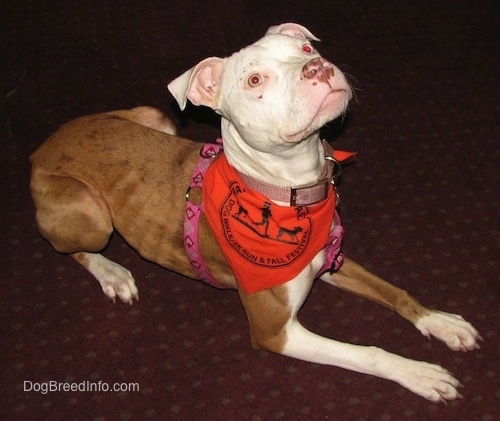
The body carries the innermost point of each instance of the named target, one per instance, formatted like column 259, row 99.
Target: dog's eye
column 255, row 80
column 308, row 49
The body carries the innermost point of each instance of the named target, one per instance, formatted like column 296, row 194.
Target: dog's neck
column 282, row 164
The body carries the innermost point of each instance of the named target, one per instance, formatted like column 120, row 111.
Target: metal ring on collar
column 337, row 168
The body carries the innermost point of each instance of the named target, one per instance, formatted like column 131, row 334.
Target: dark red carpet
column 420, row 209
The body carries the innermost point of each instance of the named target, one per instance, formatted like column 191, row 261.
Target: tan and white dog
column 127, row 170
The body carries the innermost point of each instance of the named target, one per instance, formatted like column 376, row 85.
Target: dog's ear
column 292, row 30
column 201, row 84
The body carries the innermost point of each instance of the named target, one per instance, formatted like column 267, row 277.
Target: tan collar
column 299, row 196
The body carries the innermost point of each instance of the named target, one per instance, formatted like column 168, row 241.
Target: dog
column 291, row 233
column 128, row 171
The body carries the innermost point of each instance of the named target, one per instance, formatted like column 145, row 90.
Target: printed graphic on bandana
column 251, row 227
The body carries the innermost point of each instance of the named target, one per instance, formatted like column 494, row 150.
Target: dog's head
column 275, row 92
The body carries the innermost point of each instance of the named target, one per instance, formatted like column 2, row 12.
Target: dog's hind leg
column 115, row 280
column 76, row 220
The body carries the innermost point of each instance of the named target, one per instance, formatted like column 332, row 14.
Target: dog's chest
column 264, row 243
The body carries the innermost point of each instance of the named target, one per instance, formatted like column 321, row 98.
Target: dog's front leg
column 452, row 329
column 430, row 381
column 272, row 315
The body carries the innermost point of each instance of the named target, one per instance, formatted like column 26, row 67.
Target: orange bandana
column 265, row 244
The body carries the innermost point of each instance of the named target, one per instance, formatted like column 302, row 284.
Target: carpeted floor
column 420, row 209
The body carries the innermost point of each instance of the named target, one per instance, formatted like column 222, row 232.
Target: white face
column 281, row 91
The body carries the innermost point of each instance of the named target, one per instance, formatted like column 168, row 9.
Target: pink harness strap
column 193, row 213
column 333, row 255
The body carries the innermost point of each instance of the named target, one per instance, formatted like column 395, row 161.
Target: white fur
column 273, row 97
column 270, row 132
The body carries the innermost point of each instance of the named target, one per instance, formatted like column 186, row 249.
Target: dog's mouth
column 333, row 105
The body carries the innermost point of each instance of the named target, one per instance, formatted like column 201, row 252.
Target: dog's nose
column 319, row 67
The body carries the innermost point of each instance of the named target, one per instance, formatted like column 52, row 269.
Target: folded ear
column 201, row 84
column 292, row 30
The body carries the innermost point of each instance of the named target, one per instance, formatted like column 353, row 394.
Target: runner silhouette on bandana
column 266, row 214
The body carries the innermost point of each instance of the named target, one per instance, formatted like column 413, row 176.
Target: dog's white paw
column 115, row 280
column 430, row 381
column 452, row 329
column 118, row 281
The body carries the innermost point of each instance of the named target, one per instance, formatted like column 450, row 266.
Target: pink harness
column 333, row 255
column 193, row 213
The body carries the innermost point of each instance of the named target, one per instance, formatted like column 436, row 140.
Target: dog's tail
column 149, row 117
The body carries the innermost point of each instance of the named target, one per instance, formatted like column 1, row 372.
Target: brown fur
column 103, row 171
column 109, row 171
